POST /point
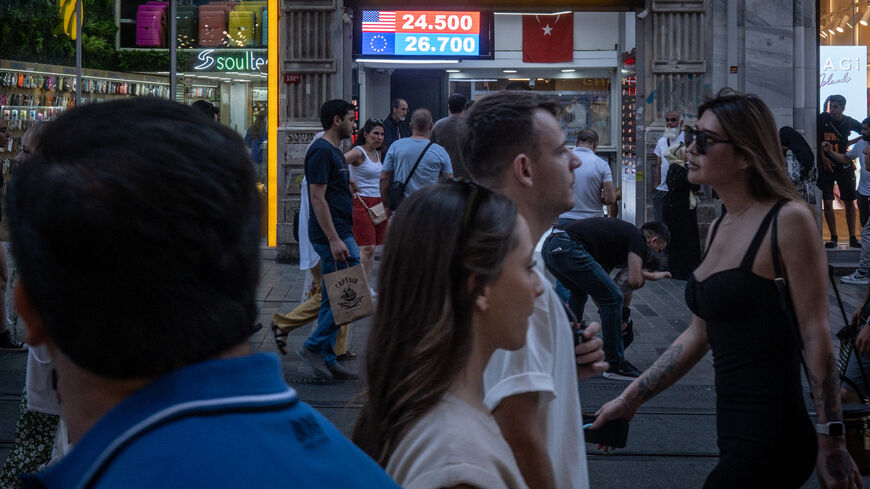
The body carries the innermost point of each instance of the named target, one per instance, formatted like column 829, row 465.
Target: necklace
column 729, row 218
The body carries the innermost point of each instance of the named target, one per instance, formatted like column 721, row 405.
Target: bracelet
column 624, row 402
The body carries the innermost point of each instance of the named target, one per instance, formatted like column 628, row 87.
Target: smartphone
column 613, row 433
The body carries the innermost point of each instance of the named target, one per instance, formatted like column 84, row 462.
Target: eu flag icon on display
column 378, row 43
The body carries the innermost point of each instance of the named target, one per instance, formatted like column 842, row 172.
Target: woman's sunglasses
column 701, row 139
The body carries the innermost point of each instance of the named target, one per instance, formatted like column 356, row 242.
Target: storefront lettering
column 246, row 61
column 825, row 80
column 844, row 64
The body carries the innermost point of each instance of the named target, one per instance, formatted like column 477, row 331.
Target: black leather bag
column 396, row 192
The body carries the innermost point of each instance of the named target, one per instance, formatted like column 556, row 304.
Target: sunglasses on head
column 702, row 139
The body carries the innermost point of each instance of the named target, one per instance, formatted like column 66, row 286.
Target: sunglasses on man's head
column 702, row 139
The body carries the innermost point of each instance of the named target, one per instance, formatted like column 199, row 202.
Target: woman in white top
column 365, row 172
column 460, row 277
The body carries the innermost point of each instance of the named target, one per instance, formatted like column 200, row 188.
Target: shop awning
column 513, row 5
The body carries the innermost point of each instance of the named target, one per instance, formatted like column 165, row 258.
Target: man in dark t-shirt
column 833, row 132
column 330, row 228
column 582, row 255
column 448, row 133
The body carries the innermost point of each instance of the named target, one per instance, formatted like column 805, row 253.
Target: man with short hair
column 404, row 154
column 861, row 275
column 393, row 127
column 673, row 134
column 448, row 133
column 516, row 146
column 834, row 129
column 583, row 256
column 170, row 396
column 330, row 228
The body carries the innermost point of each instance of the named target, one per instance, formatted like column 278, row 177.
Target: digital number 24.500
column 442, row 22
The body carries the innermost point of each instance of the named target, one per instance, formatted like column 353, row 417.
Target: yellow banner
column 68, row 14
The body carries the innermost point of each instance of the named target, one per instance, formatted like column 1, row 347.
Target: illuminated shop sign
column 253, row 60
column 422, row 34
column 843, row 71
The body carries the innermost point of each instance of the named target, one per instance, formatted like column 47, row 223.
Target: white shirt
column 546, row 365
column 367, row 176
column 661, row 147
column 857, row 151
column 454, row 444
column 41, row 395
column 588, row 179
column 308, row 258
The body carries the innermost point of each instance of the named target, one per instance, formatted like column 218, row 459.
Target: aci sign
column 254, row 60
column 843, row 71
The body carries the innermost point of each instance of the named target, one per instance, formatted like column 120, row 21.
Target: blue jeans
column 658, row 201
column 561, row 290
column 575, row 268
column 322, row 339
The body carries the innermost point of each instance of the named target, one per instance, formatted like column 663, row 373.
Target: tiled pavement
column 672, row 440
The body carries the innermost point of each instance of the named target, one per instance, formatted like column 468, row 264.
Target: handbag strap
column 782, row 288
column 419, row 159
column 361, row 201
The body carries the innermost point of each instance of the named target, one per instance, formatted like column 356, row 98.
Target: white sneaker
column 856, row 278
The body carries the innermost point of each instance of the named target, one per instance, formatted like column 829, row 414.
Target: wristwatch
column 834, row 428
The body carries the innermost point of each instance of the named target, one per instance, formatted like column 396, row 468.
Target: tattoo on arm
column 828, row 389
column 651, row 382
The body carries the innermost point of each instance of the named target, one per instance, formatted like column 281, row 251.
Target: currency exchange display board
column 423, row 34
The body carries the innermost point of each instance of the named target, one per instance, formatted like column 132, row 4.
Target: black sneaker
column 832, row 243
column 625, row 371
column 853, row 242
column 8, row 343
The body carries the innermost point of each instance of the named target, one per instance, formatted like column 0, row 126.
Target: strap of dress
column 749, row 257
column 713, row 234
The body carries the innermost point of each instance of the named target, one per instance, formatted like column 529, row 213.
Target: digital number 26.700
column 442, row 22
column 455, row 44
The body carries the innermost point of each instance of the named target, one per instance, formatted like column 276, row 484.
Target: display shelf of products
column 629, row 132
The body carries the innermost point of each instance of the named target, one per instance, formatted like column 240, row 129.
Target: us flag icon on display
column 378, row 21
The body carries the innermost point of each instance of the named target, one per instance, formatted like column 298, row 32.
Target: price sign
column 448, row 34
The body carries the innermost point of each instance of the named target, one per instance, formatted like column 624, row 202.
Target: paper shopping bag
column 348, row 293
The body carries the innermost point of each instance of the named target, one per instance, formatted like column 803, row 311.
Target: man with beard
column 393, row 127
column 330, row 228
column 673, row 134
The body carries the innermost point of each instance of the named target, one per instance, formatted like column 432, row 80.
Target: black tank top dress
column 765, row 436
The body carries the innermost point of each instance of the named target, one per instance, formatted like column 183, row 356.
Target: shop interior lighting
column 841, row 27
column 452, row 71
column 865, row 19
column 509, row 71
column 569, row 70
column 822, row 33
column 410, row 61
column 563, row 12
column 518, row 79
column 482, row 80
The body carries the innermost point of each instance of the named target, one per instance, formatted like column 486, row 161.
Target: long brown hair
column 750, row 126
column 440, row 251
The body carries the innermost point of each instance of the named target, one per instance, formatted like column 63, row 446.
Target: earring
column 481, row 303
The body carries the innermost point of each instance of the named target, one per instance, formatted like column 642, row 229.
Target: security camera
column 642, row 14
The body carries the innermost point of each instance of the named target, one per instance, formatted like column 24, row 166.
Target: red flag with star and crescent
column 548, row 38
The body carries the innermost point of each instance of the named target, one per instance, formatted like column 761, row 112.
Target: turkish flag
column 548, row 38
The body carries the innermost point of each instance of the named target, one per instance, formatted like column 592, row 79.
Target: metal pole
column 173, row 44
column 78, row 52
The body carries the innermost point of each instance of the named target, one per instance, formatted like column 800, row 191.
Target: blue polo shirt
column 228, row 423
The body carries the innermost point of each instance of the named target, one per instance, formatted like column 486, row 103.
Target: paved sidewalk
column 672, row 443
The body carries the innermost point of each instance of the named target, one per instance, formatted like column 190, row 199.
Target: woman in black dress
column 681, row 218
column 765, row 436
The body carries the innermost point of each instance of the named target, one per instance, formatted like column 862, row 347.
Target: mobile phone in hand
column 613, row 433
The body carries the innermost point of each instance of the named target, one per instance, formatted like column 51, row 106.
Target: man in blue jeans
column 330, row 228
column 582, row 255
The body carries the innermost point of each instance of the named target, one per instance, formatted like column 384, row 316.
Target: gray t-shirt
column 403, row 154
column 448, row 133
column 592, row 173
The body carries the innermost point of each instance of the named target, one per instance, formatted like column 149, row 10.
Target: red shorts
column 364, row 232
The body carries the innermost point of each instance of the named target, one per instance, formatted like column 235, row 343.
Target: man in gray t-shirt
column 448, row 133
column 403, row 154
column 593, row 180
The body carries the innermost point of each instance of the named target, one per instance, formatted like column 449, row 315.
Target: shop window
column 586, row 101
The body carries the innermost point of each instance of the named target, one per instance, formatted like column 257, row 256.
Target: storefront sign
column 843, row 71
column 252, row 60
column 423, row 34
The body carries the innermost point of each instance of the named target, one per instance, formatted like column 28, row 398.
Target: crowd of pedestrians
column 474, row 357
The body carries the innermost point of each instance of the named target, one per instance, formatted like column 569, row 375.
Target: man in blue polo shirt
column 137, row 269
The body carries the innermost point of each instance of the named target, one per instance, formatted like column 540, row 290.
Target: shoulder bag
column 856, row 417
column 397, row 189
column 377, row 213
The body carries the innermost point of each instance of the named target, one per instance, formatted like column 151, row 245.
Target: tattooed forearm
column 654, row 380
column 828, row 389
